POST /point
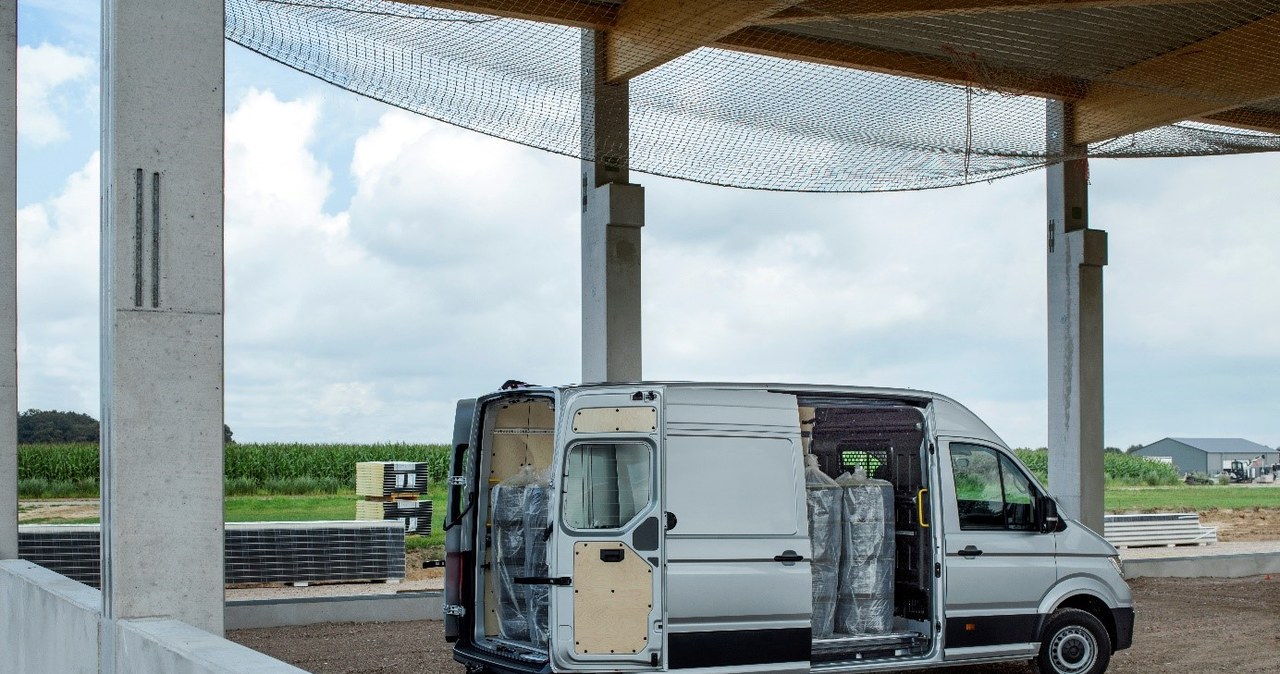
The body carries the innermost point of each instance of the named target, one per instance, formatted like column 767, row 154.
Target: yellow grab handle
column 920, row 508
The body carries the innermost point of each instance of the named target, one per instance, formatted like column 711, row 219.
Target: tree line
column 51, row 426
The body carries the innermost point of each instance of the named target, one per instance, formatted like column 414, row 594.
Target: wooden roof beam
column 791, row 46
column 649, row 33
column 835, row 10
column 1245, row 118
column 1232, row 69
column 575, row 13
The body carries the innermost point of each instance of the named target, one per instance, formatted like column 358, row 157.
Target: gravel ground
column 1184, row 625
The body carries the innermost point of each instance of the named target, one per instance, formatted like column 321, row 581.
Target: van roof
column 950, row 418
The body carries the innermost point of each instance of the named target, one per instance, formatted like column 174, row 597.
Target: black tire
column 1074, row 642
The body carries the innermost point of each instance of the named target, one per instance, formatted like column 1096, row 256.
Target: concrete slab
column 258, row 613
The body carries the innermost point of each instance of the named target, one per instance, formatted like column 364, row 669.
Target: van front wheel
column 1075, row 642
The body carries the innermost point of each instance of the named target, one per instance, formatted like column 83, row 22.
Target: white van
column 760, row 528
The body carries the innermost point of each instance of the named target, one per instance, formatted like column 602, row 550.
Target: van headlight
column 1117, row 565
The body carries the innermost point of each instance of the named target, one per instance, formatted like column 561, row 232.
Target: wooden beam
column 780, row 44
column 575, row 13
column 1265, row 121
column 835, row 10
column 649, row 33
column 1232, row 69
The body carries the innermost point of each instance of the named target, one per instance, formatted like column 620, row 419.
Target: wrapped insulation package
column 864, row 603
column 823, row 497
column 520, row 516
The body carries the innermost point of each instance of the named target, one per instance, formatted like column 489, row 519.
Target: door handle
column 970, row 552
column 563, row 581
column 789, row 557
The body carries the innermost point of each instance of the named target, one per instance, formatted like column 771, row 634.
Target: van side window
column 991, row 492
column 605, row 485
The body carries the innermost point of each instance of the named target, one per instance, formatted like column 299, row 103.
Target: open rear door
column 606, row 584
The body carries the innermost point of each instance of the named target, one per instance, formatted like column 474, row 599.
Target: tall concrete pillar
column 1076, row 256
column 612, row 215
column 8, row 280
column 162, row 304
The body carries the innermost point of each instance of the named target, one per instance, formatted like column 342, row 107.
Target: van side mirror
column 1049, row 520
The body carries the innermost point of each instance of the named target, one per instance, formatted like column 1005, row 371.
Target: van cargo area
column 871, row 560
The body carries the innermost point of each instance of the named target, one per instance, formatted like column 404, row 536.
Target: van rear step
column 864, row 646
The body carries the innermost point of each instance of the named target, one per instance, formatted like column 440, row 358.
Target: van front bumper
column 1123, row 619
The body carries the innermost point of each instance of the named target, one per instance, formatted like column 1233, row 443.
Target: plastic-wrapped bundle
column 537, row 518
column 823, row 499
column 520, row 517
column 865, row 597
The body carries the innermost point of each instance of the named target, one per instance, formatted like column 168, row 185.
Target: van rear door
column 607, row 569
column 459, row 507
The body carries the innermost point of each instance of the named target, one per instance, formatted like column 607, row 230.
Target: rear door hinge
column 458, row 480
column 455, row 610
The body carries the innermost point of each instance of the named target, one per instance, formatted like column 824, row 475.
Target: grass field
column 295, row 509
column 1124, row 499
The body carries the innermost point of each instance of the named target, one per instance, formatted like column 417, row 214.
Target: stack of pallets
column 392, row 490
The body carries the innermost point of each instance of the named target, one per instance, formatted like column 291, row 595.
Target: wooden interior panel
column 611, row 600
column 616, row 420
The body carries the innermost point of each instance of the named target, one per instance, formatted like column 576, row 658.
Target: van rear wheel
column 1075, row 642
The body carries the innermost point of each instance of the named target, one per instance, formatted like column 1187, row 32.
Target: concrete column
column 612, row 215
column 8, row 280
column 1076, row 256
column 162, row 303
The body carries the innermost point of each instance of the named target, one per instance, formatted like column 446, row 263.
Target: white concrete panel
column 8, row 280
column 162, row 311
column 174, row 647
column 48, row 623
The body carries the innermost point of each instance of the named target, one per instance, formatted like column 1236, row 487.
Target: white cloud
column 455, row 267
column 51, row 80
column 58, row 296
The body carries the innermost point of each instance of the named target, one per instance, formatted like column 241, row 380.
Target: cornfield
column 1120, row 469
column 280, row 468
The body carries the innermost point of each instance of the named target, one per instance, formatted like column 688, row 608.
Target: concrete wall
column 259, row 613
column 50, row 624
column 1204, row 566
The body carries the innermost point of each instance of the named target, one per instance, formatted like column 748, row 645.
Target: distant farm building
column 1209, row 455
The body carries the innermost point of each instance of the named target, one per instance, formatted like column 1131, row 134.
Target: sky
column 381, row 265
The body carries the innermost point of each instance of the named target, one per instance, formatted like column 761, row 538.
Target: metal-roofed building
column 1209, row 455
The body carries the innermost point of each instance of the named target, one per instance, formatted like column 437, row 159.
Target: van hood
column 1078, row 539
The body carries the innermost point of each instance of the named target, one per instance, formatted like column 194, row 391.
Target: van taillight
column 453, row 579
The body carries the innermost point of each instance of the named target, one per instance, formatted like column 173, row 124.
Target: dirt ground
column 1244, row 524
column 1184, row 625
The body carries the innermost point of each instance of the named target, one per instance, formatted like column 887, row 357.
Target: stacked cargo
column 851, row 528
column 823, row 500
column 392, row 490
column 521, row 522
column 864, row 603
